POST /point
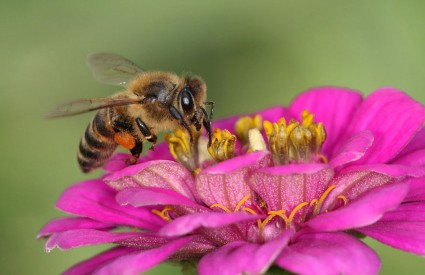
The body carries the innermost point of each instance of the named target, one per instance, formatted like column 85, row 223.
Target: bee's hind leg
column 146, row 132
column 135, row 152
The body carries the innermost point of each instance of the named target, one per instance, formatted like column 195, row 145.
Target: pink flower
column 281, row 197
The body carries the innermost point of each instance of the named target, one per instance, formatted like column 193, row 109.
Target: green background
column 252, row 54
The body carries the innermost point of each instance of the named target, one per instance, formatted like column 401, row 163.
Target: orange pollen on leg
column 125, row 139
column 164, row 213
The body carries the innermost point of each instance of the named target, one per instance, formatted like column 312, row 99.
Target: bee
column 153, row 101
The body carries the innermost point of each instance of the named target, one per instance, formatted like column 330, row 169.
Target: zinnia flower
column 293, row 188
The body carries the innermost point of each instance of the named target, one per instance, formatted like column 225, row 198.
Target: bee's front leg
column 146, row 132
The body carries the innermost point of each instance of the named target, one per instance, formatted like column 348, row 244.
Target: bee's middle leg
column 146, row 132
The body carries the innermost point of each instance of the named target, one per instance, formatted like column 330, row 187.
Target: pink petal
column 393, row 118
column 147, row 196
column 142, row 261
column 243, row 257
column 90, row 265
column 81, row 237
column 158, row 173
column 284, row 187
column 332, row 106
column 69, row 223
column 363, row 211
column 416, row 158
column 417, row 143
column 188, row 223
column 416, row 190
column 95, row 200
column 226, row 182
column 402, row 228
column 393, row 170
column 407, row 212
column 352, row 149
column 329, row 253
column 354, row 184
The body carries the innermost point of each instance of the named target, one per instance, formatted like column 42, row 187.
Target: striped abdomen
column 97, row 144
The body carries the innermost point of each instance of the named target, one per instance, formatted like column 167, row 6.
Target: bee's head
column 191, row 96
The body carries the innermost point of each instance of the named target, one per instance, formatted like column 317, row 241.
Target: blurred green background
column 252, row 54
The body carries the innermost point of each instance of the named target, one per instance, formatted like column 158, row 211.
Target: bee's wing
column 110, row 68
column 87, row 105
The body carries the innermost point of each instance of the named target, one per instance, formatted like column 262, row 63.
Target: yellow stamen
column 294, row 211
column 295, row 142
column 244, row 124
column 181, row 149
column 313, row 202
column 242, row 201
column 217, row 205
column 321, row 199
column 164, row 213
column 197, row 171
column 281, row 213
column 324, row 159
column 249, row 210
column 238, row 206
column 343, row 198
column 222, row 145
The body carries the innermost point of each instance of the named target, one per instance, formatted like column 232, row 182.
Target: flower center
column 295, row 142
column 222, row 145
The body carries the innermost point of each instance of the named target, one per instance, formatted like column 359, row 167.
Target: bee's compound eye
column 186, row 101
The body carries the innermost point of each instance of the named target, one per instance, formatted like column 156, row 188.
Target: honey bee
column 151, row 102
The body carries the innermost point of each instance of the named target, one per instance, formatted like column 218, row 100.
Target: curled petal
column 95, row 200
column 158, row 173
column 141, row 261
column 119, row 160
column 147, row 196
column 334, row 107
column 353, row 149
column 329, row 253
column 363, row 211
column 386, row 113
column 81, row 237
column 188, row 223
column 70, row 223
column 243, row 257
